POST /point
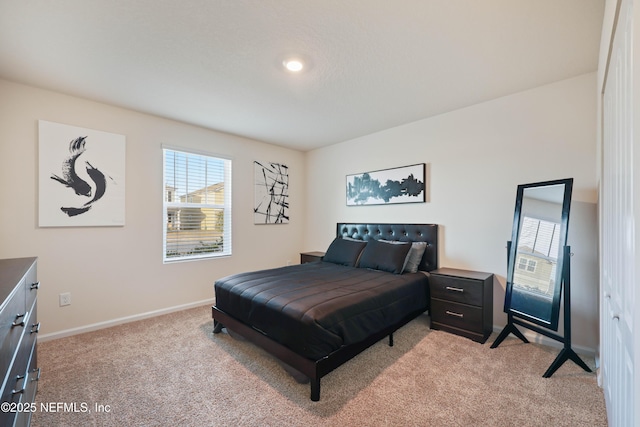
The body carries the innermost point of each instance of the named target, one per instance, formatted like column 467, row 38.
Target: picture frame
column 271, row 193
column 81, row 179
column 406, row 184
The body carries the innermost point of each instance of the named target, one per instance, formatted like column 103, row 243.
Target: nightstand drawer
column 457, row 315
column 456, row 289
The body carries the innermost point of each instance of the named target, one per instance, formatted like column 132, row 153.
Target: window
column 540, row 237
column 196, row 206
column 527, row 264
column 522, row 263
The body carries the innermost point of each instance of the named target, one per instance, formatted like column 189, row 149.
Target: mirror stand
column 510, row 328
column 567, row 353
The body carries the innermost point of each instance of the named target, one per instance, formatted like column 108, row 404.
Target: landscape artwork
column 81, row 176
column 271, row 193
column 388, row 186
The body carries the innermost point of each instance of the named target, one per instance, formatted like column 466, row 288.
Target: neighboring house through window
column 196, row 206
column 538, row 251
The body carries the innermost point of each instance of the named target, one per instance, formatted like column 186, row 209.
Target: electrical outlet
column 288, row 262
column 65, row 299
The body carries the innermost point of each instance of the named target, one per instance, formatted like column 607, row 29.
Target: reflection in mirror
column 536, row 283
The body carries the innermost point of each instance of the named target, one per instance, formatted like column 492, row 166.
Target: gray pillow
column 344, row 252
column 384, row 257
column 414, row 257
column 412, row 261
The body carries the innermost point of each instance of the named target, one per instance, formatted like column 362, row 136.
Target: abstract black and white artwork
column 397, row 185
column 271, row 193
column 81, row 176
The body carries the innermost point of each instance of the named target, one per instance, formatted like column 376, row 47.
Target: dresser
column 18, row 331
column 462, row 302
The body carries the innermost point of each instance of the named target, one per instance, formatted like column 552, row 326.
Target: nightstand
column 311, row 257
column 462, row 302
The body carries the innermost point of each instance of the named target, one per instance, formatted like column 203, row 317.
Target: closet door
column 619, row 227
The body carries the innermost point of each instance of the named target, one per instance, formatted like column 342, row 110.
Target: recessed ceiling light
column 293, row 65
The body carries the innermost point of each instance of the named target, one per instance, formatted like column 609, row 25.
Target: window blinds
column 197, row 206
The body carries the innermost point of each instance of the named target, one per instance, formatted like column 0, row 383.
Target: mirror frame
column 512, row 250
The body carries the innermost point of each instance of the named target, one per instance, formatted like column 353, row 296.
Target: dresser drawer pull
column 19, row 316
column 18, row 378
column 35, row 285
column 451, row 313
column 450, row 288
column 37, row 378
column 35, row 328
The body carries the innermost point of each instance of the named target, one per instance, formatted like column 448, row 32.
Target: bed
column 314, row 317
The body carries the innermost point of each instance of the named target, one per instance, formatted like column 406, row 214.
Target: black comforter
column 316, row 308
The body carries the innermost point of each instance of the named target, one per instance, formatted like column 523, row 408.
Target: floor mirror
column 538, row 267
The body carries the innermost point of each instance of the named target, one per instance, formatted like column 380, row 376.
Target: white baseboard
column 544, row 340
column 121, row 320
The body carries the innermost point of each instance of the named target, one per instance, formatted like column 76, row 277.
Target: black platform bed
column 316, row 369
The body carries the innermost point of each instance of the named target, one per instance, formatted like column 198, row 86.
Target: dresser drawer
column 457, row 315
column 14, row 313
column 456, row 289
column 18, row 337
column 32, row 329
column 31, row 285
column 18, row 381
column 31, row 386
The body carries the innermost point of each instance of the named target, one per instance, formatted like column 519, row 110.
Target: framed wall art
column 388, row 186
column 81, row 176
column 271, row 193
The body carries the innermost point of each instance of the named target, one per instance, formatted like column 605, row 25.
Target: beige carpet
column 172, row 371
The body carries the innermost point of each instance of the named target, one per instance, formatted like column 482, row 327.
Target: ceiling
column 372, row 64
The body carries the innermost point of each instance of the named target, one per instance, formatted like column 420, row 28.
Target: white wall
column 475, row 159
column 118, row 271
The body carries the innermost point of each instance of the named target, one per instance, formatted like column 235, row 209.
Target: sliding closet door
column 620, row 227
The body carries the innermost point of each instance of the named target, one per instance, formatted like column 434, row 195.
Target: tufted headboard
column 402, row 232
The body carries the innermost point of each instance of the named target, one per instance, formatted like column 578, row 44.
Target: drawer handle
column 451, row 313
column 450, row 288
column 35, row 285
column 37, row 328
column 37, row 378
column 19, row 316
column 18, row 378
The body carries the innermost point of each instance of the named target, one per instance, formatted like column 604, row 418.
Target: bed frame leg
column 390, row 340
column 217, row 327
column 315, row 389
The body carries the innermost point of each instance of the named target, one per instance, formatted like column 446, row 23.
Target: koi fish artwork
column 81, row 179
column 72, row 180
